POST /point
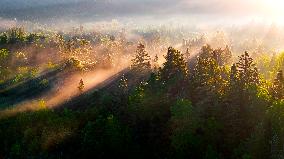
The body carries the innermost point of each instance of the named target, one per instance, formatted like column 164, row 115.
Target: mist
column 147, row 12
column 141, row 79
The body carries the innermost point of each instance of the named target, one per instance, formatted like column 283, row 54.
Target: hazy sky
column 88, row 10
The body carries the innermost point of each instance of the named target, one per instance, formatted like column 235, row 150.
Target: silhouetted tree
column 187, row 54
column 81, row 85
column 240, row 98
column 206, row 52
column 174, row 73
column 155, row 64
column 175, row 67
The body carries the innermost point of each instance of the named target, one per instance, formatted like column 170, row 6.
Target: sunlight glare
column 275, row 9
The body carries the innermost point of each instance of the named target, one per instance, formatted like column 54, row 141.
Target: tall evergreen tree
column 81, row 85
column 206, row 52
column 174, row 73
column 207, row 73
column 123, row 84
column 227, row 56
column 142, row 60
column 247, row 70
column 187, row 54
column 222, row 56
column 240, row 107
column 175, row 67
column 277, row 89
column 155, row 64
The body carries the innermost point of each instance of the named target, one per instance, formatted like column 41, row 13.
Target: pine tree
column 155, row 64
column 187, row 54
column 240, row 94
column 206, row 51
column 277, row 89
column 221, row 56
column 81, row 85
column 142, row 60
column 244, row 73
column 123, row 91
column 123, row 84
column 207, row 74
column 234, row 75
column 174, row 73
column 175, row 67
column 227, row 54
column 247, row 70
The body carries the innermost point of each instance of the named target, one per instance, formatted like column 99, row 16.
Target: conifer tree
column 123, row 84
column 234, row 75
column 227, row 54
column 206, row 51
column 207, row 72
column 239, row 100
column 142, row 60
column 175, row 67
column 187, row 54
column 247, row 70
column 81, row 85
column 123, row 90
column 155, row 64
column 221, row 56
column 278, row 86
column 174, row 73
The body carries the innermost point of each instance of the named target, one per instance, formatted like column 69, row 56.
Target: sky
column 139, row 10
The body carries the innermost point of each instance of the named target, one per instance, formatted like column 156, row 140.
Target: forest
column 155, row 93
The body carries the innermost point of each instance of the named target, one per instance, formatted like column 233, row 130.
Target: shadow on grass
column 105, row 88
column 90, row 97
column 27, row 90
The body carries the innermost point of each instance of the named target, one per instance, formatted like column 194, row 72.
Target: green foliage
column 4, row 70
column 277, row 63
column 4, row 53
column 278, row 86
column 175, row 68
column 265, row 65
column 35, row 133
column 182, row 109
column 142, row 61
column 211, row 111
column 104, row 135
column 73, row 63
column 267, row 141
column 51, row 65
column 18, row 78
column 17, row 35
column 44, row 83
column 208, row 74
column 221, row 56
column 42, row 104
column 184, row 124
column 248, row 73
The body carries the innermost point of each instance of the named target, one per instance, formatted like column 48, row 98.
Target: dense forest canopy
column 130, row 86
